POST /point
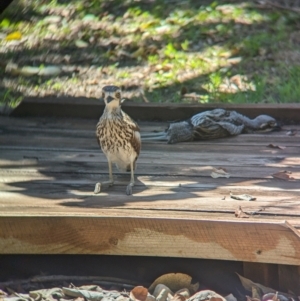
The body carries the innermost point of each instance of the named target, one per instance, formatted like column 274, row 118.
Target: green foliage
column 160, row 46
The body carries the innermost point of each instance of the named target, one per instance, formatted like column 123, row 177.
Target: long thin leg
column 108, row 183
column 131, row 184
column 111, row 178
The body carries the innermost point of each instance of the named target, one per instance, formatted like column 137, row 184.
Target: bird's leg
column 131, row 184
column 110, row 182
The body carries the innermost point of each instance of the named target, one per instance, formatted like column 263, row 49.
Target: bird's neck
column 113, row 111
column 251, row 123
column 248, row 123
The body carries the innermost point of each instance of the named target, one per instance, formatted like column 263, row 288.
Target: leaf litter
column 283, row 175
column 159, row 48
column 182, row 290
column 242, row 197
column 291, row 132
column 219, row 173
column 240, row 213
column 271, row 145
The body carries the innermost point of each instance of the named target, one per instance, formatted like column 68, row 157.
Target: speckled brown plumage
column 118, row 136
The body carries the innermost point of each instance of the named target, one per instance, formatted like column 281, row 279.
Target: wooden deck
column 48, row 169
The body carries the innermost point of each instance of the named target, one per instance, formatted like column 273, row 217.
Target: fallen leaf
column 162, row 292
column 291, row 132
column 178, row 297
column 206, row 295
column 142, row 94
column 89, row 17
column 50, row 70
column 183, row 90
column 230, row 297
column 77, row 292
column 283, row 175
column 184, row 292
column 240, row 213
column 219, row 173
column 276, row 146
column 139, row 293
column 81, row 44
column 274, row 297
column 252, row 299
column 242, row 197
column 52, row 19
column 16, row 35
column 29, row 71
column 215, row 299
column 175, row 282
column 248, row 284
column 256, row 292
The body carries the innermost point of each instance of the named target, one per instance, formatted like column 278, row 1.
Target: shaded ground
column 158, row 51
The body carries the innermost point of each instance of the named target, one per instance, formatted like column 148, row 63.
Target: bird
column 118, row 136
column 213, row 124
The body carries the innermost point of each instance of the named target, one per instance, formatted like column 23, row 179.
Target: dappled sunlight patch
column 153, row 181
column 157, row 48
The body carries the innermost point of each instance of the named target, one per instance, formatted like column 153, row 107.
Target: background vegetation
column 158, row 51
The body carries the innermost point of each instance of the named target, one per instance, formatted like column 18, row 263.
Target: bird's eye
column 118, row 94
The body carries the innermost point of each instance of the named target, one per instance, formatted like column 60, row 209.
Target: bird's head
column 112, row 96
column 267, row 123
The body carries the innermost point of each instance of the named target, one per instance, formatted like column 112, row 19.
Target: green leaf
column 185, row 45
column 5, row 23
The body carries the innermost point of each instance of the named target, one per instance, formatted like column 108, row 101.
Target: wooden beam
column 92, row 108
column 134, row 235
column 264, row 273
column 289, row 278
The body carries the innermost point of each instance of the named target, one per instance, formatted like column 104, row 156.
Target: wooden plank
column 153, row 158
column 289, row 278
column 91, row 108
column 49, row 168
column 144, row 236
column 150, row 193
column 264, row 273
column 34, row 164
column 86, row 139
column 70, row 125
column 84, row 142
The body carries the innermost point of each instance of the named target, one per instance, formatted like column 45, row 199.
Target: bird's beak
column 109, row 99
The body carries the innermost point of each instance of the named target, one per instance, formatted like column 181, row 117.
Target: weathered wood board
column 48, row 168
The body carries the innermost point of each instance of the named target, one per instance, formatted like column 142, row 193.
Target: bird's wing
column 136, row 137
column 132, row 124
column 232, row 129
column 136, row 142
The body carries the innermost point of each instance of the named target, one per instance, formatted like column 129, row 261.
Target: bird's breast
column 114, row 136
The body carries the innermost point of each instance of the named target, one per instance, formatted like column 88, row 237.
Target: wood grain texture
column 48, row 168
column 289, row 278
column 82, row 107
column 246, row 241
column 265, row 273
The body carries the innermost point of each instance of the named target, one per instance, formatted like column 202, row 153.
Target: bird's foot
column 129, row 188
column 99, row 186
